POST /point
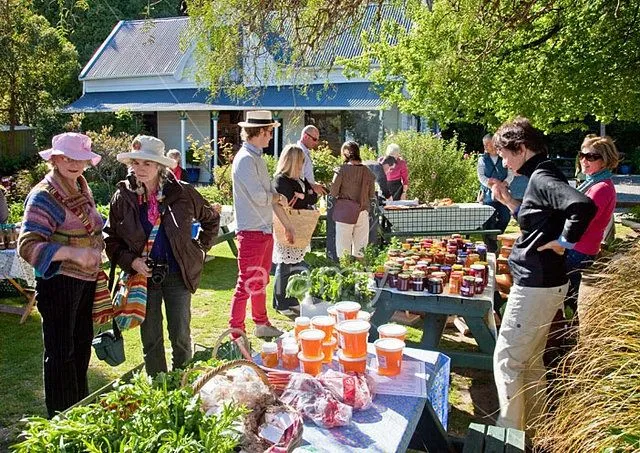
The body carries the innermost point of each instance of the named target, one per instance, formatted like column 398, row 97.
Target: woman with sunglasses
column 598, row 157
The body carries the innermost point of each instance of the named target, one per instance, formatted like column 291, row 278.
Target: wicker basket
column 296, row 439
column 230, row 350
column 304, row 223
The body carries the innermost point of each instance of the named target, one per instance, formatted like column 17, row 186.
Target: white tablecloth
column 12, row 266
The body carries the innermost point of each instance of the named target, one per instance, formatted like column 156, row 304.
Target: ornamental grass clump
column 596, row 398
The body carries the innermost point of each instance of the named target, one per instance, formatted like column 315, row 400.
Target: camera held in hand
column 159, row 270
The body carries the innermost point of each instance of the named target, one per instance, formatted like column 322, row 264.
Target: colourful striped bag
column 102, row 310
column 130, row 301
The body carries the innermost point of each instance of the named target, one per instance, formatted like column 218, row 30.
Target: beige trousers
column 517, row 360
column 351, row 239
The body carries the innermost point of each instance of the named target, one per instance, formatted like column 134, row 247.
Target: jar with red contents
column 447, row 271
column 449, row 259
column 392, row 278
column 417, row 280
column 442, row 276
column 486, row 271
column 477, row 270
column 439, row 257
column 479, row 285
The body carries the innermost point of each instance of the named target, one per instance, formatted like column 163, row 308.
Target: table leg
column 381, row 315
column 482, row 334
column 432, row 329
column 28, row 294
column 231, row 241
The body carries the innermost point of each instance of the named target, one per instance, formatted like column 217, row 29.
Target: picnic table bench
column 492, row 439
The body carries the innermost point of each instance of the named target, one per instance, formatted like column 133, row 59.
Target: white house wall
column 198, row 126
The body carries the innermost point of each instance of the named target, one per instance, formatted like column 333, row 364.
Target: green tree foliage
column 438, row 168
column 554, row 61
column 38, row 64
column 88, row 22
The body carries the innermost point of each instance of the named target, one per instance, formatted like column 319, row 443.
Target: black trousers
column 65, row 305
column 283, row 272
column 395, row 187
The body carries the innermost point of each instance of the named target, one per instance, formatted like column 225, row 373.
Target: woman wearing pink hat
column 61, row 237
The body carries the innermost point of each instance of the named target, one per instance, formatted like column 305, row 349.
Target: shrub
column 438, row 168
column 16, row 212
column 109, row 171
column 101, row 192
column 25, row 180
column 324, row 163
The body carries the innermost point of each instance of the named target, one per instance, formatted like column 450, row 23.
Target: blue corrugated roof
column 340, row 96
column 138, row 48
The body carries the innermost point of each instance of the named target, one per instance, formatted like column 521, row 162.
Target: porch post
column 380, row 131
column 214, row 121
column 183, row 138
column 276, row 132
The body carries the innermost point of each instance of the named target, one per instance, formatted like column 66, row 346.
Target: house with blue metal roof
column 145, row 66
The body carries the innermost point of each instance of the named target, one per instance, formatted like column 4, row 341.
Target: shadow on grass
column 219, row 274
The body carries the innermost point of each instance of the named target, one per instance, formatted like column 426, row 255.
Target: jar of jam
column 406, row 246
column 457, row 268
column 439, row 257
column 392, row 278
column 455, row 279
column 450, row 259
column 393, row 253
column 442, row 276
column 503, row 265
column 447, row 271
column 400, row 261
column 435, row 285
column 459, row 239
column 468, row 286
column 486, row 271
column 462, row 258
column 403, row 282
column 477, row 270
column 472, row 258
column 479, row 285
column 269, row 354
column 417, row 280
column 481, row 250
column 469, row 247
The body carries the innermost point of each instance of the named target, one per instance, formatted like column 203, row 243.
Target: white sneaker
column 266, row 331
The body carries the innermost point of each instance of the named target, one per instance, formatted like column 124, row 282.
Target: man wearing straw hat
column 254, row 202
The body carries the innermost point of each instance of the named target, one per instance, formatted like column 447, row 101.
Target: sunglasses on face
column 315, row 139
column 590, row 157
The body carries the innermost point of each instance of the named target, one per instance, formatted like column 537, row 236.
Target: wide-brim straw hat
column 72, row 145
column 146, row 147
column 258, row 118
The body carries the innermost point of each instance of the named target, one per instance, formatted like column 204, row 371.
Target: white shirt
column 307, row 168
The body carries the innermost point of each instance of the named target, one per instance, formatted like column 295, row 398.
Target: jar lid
column 435, row 280
column 302, row 321
column 269, row 347
column 290, row 348
column 311, row 334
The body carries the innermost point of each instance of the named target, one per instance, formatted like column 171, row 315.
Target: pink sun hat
column 72, row 145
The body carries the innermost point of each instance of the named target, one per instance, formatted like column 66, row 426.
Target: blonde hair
column 393, row 150
column 603, row 146
column 291, row 162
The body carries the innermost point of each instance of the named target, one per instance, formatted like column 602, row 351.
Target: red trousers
column 254, row 263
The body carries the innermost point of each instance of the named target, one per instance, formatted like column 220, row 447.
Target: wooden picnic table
column 389, row 424
column 477, row 312
column 13, row 267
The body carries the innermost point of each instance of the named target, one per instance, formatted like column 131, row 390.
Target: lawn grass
column 22, row 393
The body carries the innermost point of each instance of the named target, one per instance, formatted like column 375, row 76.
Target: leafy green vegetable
column 143, row 415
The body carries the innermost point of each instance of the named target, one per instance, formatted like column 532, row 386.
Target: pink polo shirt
column 603, row 195
column 399, row 171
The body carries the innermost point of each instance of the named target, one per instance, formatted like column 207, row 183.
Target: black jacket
column 550, row 209
column 287, row 187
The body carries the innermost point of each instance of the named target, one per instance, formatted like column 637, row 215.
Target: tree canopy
column 38, row 64
column 555, row 61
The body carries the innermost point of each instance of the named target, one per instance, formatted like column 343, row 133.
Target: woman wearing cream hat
column 152, row 197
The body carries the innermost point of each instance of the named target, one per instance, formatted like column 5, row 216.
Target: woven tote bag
column 304, row 223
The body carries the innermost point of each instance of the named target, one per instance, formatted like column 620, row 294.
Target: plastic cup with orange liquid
column 301, row 323
column 312, row 366
column 327, row 349
column 324, row 323
column 389, row 355
column 347, row 310
column 353, row 365
column 333, row 312
column 392, row 331
column 353, row 337
column 311, row 342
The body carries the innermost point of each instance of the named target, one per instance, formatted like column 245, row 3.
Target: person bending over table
column 552, row 217
column 66, row 259
column 398, row 176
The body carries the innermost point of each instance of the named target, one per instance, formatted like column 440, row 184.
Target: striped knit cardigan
column 47, row 226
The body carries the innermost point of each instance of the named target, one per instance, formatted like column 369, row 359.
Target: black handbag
column 109, row 345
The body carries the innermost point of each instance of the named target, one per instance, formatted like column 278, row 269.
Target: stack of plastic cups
column 326, row 324
column 353, row 334
column 301, row 323
column 311, row 356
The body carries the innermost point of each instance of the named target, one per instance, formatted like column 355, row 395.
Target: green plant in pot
column 318, row 288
